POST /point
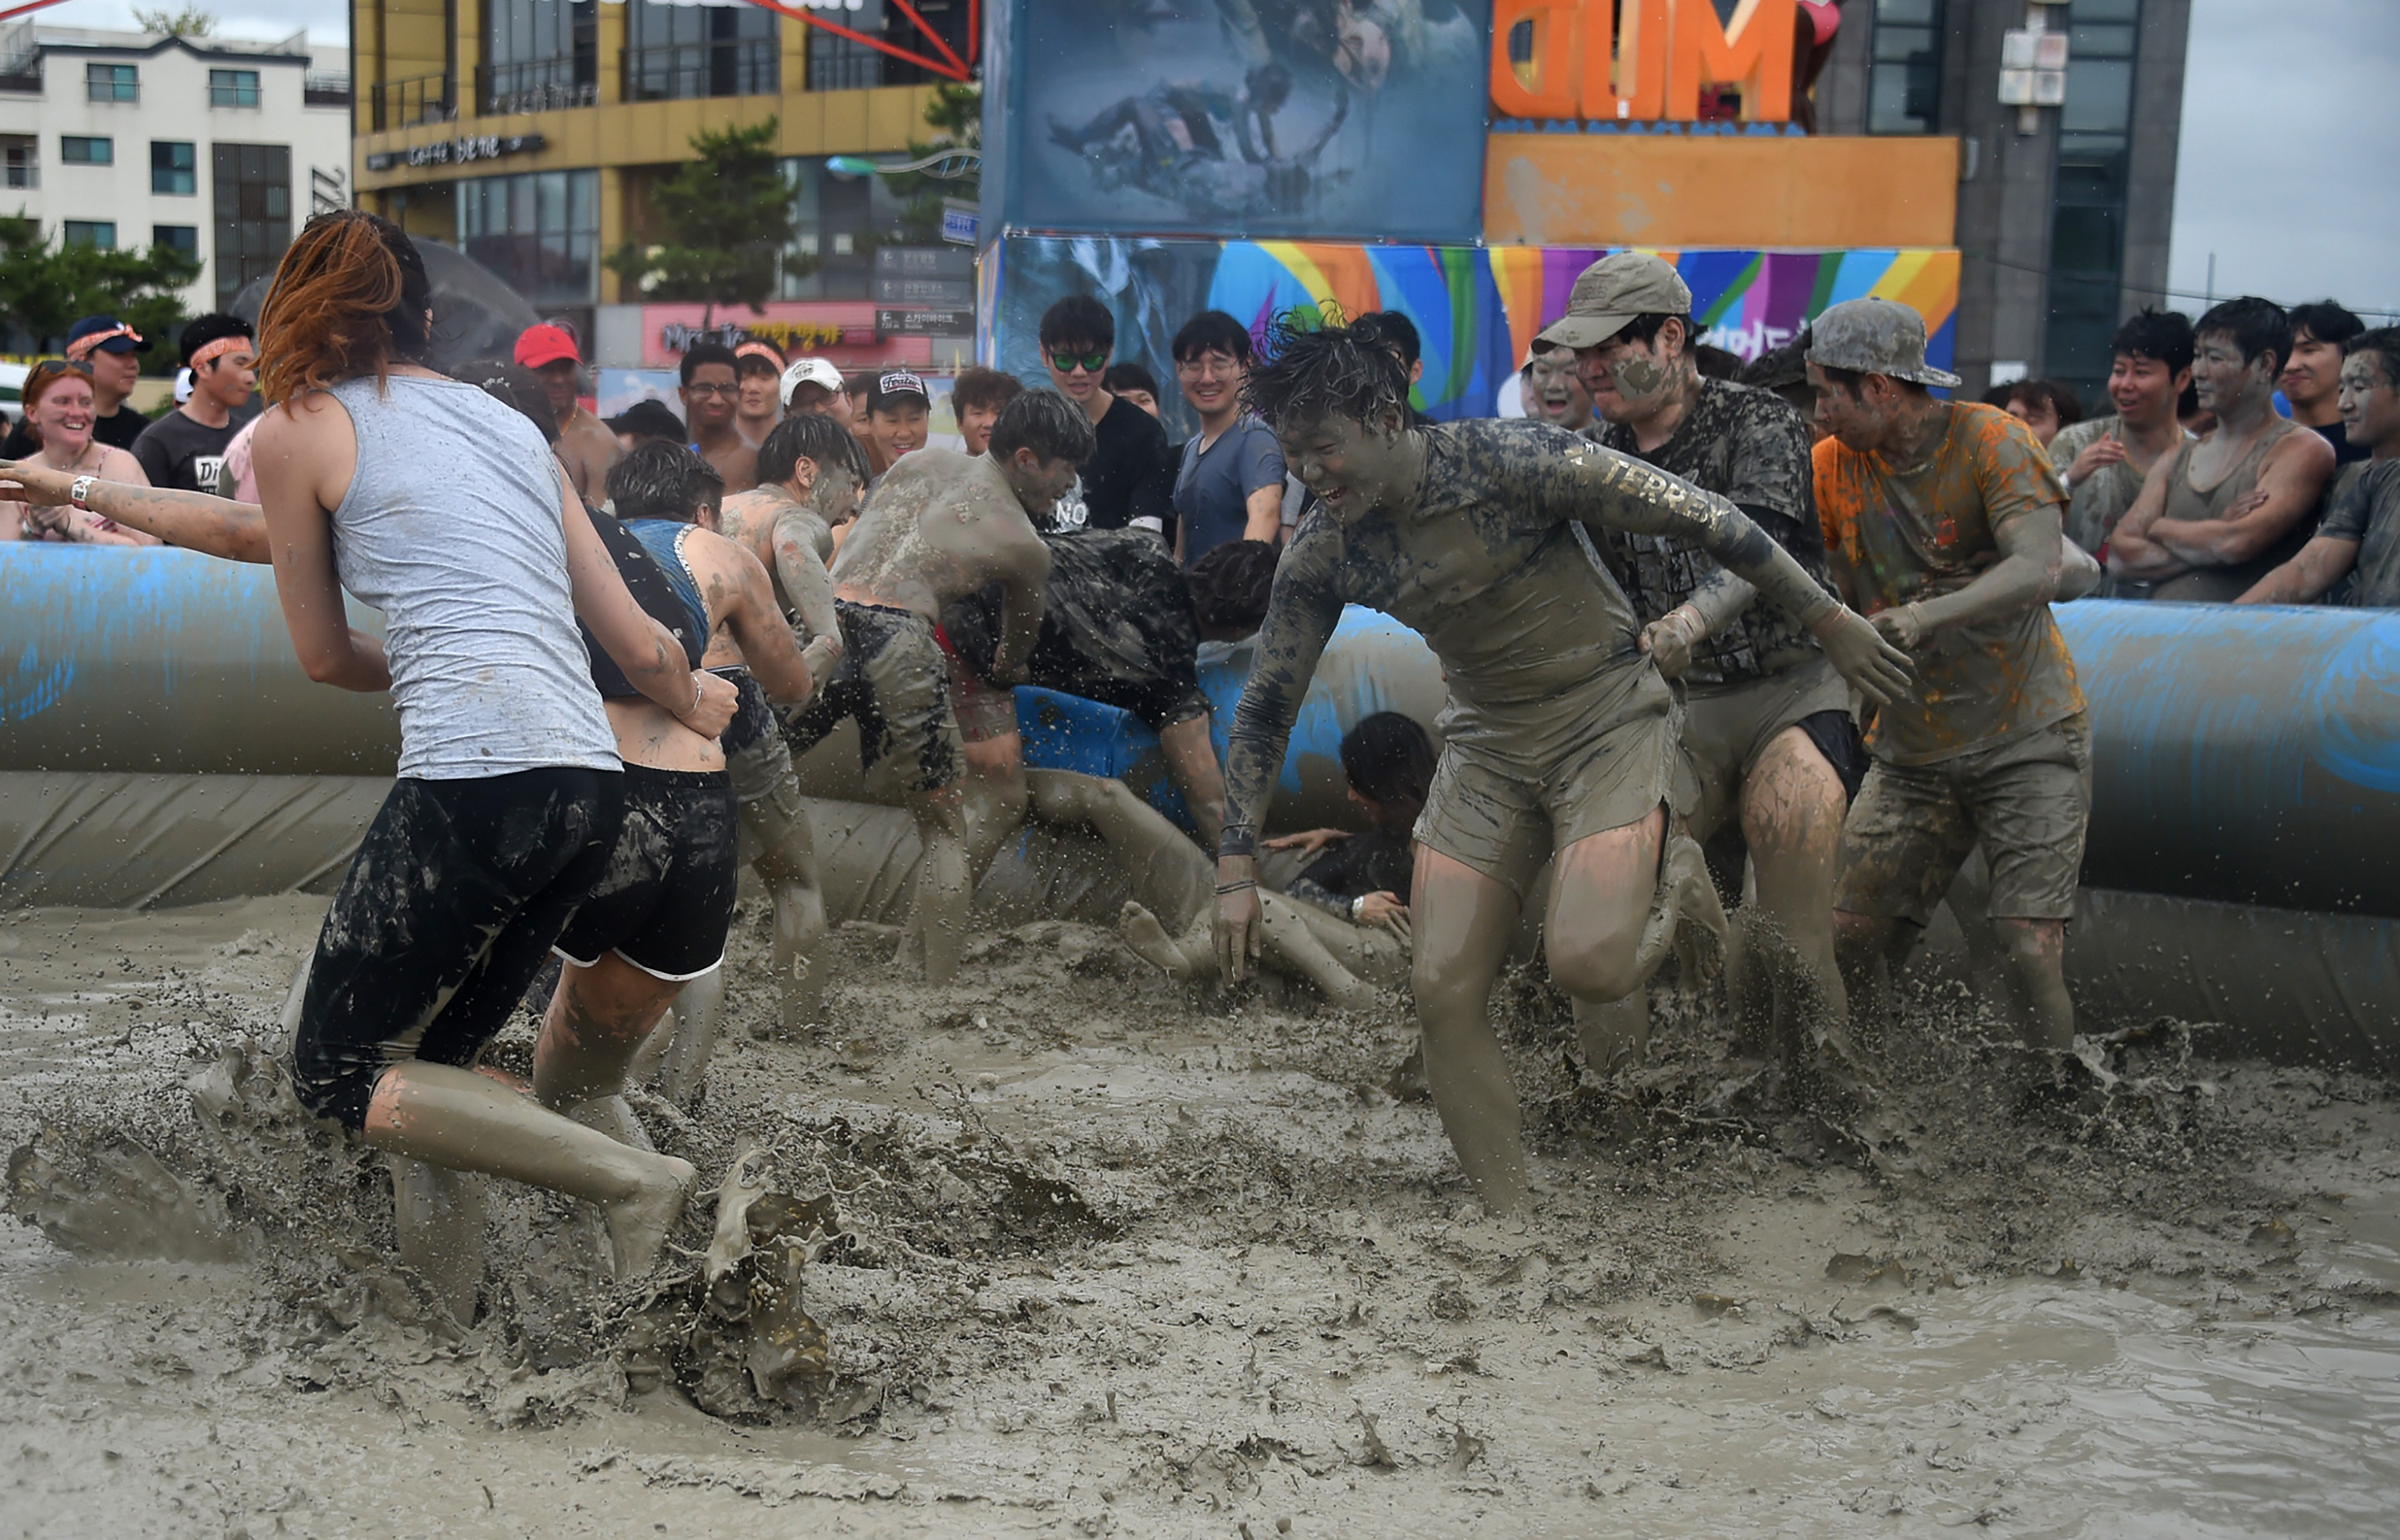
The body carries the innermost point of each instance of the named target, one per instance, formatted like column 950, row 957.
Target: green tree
column 47, row 285
column 956, row 117
column 730, row 217
column 191, row 21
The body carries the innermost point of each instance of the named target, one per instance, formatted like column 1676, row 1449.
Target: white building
column 127, row 140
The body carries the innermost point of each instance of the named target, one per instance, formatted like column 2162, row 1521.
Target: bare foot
column 1140, row 931
column 638, row 1225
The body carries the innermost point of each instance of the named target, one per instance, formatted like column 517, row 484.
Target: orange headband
column 217, row 349
column 83, row 347
column 760, row 350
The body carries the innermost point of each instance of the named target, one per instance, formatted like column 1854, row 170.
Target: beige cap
column 1614, row 293
column 1875, row 336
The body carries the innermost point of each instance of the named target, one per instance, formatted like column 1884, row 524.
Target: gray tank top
column 2188, row 504
column 451, row 528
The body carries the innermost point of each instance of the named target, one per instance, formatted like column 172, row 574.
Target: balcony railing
column 22, row 76
column 536, row 85
column 329, row 88
column 733, row 66
column 405, row 103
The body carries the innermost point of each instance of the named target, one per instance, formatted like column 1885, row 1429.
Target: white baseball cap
column 810, row 371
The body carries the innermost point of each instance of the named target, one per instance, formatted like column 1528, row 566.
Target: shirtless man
column 758, row 369
column 585, row 445
column 1768, row 737
column 813, row 475
column 1559, row 737
column 712, row 394
column 2216, row 516
column 2104, row 460
column 938, row 526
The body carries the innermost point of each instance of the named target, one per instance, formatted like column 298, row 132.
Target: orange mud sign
column 1670, row 51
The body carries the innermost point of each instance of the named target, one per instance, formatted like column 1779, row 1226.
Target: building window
column 253, row 212
column 233, row 87
column 1904, row 68
column 111, row 83
column 91, row 232
column 76, row 150
column 2086, row 234
column 538, row 230
column 20, row 161
column 840, row 65
column 842, row 220
column 674, row 52
column 174, row 167
column 538, row 55
column 178, row 238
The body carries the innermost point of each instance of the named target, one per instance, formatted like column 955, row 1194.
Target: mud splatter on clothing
column 1904, row 534
column 893, row 682
column 666, row 900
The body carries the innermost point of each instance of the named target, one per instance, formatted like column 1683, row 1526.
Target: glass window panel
column 1923, row 12
column 2100, row 42
column 2099, row 95
column 2084, row 240
column 2107, row 10
column 551, row 192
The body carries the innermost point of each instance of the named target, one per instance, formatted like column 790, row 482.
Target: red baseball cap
column 544, row 344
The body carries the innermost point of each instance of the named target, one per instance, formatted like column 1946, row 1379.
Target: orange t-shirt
column 1896, row 537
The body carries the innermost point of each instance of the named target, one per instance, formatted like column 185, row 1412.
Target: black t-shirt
column 177, row 452
column 1381, row 860
column 2336, row 433
column 117, row 431
column 1129, row 482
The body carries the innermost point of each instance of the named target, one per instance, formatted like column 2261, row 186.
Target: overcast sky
column 2291, row 120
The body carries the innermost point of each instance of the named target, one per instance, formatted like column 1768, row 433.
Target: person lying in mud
column 937, row 526
column 509, row 791
column 1559, row 735
column 1342, row 923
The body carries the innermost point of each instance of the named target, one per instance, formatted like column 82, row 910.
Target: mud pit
column 1106, row 1258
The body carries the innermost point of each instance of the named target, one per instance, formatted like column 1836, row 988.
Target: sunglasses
column 47, row 367
column 1066, row 364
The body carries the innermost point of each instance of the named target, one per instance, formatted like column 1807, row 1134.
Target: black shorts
column 446, row 913
column 754, row 715
column 894, row 681
column 666, row 900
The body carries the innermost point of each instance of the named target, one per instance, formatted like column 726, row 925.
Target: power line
column 2387, row 315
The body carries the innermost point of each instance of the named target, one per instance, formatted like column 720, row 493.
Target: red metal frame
column 949, row 66
column 15, row 11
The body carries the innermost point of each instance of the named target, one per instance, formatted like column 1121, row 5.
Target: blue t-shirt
column 1212, row 489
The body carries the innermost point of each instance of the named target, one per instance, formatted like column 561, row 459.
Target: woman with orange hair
column 60, row 406
column 442, row 507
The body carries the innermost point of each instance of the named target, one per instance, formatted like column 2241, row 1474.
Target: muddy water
column 2178, row 1317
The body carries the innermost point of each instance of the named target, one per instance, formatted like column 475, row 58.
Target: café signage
column 1640, row 60
column 458, row 152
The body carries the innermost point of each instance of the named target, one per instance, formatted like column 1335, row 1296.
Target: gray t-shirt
column 2096, row 504
column 2367, row 510
column 469, row 566
column 1213, row 486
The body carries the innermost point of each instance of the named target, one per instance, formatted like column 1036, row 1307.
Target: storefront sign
column 841, row 330
column 925, row 323
column 1607, row 62
column 459, row 152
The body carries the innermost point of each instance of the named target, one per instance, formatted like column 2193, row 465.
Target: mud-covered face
column 1037, row 484
column 1861, row 423
column 1351, row 466
column 1554, row 391
column 2313, row 372
column 2222, row 376
column 834, row 495
column 2144, row 391
column 810, row 399
column 1628, row 380
column 2370, row 402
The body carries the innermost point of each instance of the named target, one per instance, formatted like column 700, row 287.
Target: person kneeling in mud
column 937, row 526
column 1349, row 905
column 1559, row 735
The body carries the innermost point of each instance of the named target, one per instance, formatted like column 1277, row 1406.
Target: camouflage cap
column 1875, row 336
column 1614, row 293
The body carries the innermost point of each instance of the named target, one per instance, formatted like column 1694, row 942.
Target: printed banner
column 1476, row 310
column 1240, row 117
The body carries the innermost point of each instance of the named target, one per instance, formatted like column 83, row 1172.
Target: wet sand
column 1113, row 1257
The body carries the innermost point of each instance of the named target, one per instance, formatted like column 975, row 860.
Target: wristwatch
column 80, row 490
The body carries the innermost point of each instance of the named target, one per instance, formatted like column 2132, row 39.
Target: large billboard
column 1240, row 117
column 1476, row 310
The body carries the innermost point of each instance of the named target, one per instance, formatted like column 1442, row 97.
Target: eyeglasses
column 714, row 389
column 1066, row 364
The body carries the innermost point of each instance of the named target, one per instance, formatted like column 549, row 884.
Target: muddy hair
column 513, row 385
column 349, row 299
column 1389, row 758
column 658, row 479
column 810, row 436
column 1047, row 423
column 1312, row 371
column 2384, row 343
column 1229, row 585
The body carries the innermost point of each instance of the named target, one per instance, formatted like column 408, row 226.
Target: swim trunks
column 894, row 682
column 666, row 900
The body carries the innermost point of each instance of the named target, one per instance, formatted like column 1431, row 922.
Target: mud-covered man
column 2357, row 548
column 1944, row 519
column 1768, row 737
column 1559, row 736
column 937, row 526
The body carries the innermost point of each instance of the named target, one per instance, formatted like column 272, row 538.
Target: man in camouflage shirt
column 1769, row 742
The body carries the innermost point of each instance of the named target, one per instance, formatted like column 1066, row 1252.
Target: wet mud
column 1065, row 1248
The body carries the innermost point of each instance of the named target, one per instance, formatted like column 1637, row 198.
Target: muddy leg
column 1462, row 921
column 1140, row 931
column 1191, row 765
column 1374, row 954
column 1601, row 896
column 699, row 1011
column 996, row 798
column 775, row 829
column 460, row 1121
column 440, row 1217
column 1289, row 944
column 2036, row 969
column 939, row 917
column 1791, row 810
column 1171, row 874
column 1868, row 948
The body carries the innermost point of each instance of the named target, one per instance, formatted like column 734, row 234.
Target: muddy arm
column 1020, row 608
column 1618, row 491
column 2289, row 485
column 1301, row 613
column 802, row 572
